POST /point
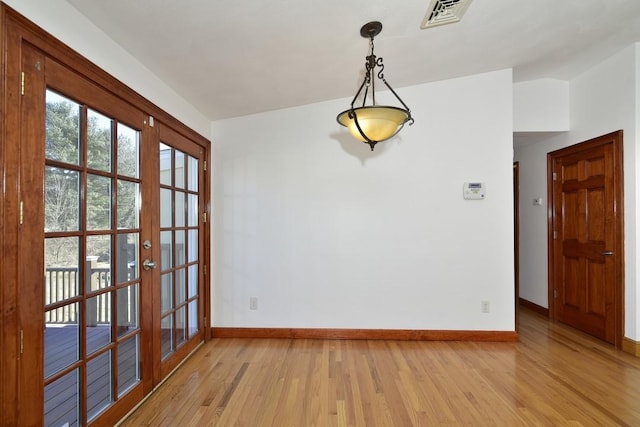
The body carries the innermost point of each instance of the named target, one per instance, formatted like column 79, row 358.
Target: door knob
column 606, row 253
column 147, row 264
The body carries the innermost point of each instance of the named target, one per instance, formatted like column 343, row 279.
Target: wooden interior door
column 586, row 234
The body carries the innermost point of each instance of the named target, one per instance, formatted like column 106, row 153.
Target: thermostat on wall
column 474, row 191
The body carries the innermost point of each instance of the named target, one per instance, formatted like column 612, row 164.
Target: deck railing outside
column 62, row 283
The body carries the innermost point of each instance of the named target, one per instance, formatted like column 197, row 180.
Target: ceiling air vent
column 443, row 12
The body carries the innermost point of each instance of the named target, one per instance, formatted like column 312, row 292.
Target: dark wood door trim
column 616, row 140
column 516, row 235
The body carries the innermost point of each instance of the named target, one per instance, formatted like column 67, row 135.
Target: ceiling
column 232, row 58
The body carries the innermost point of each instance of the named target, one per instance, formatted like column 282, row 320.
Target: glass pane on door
column 91, row 278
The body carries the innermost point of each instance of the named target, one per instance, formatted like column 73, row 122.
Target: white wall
column 603, row 99
column 67, row 24
column 327, row 234
column 541, row 106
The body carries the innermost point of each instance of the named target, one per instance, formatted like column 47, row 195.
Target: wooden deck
column 61, row 396
column 553, row 376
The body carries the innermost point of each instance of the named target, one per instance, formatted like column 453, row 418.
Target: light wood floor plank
column 554, row 376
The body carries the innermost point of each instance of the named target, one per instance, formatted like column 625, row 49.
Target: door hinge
column 205, row 165
column 555, row 176
column 21, row 341
column 204, row 269
column 204, row 217
column 151, row 121
column 555, row 293
column 555, row 235
column 22, row 83
column 21, row 212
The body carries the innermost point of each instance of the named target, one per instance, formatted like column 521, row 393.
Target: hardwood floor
column 553, row 376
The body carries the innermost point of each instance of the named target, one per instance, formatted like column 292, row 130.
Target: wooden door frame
column 516, row 236
column 615, row 138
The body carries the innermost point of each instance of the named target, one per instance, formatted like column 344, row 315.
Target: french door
column 112, row 217
column 94, row 229
column 179, row 194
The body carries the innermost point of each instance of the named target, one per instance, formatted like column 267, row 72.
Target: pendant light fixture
column 374, row 123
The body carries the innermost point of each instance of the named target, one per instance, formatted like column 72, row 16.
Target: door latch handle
column 147, row 264
column 606, row 253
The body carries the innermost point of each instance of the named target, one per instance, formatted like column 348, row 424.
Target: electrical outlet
column 253, row 303
column 485, row 307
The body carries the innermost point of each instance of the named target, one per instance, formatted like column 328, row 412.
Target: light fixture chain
column 371, row 65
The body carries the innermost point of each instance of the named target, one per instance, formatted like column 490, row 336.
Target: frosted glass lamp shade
column 376, row 122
